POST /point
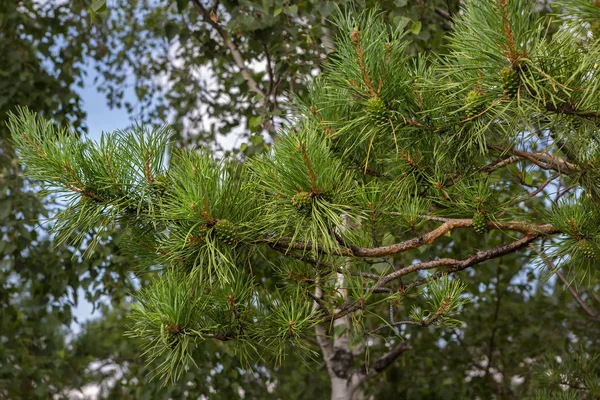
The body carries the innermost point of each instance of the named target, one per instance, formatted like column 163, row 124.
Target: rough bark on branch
column 427, row 238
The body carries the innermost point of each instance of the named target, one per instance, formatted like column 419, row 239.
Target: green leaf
column 171, row 30
column 256, row 140
column 98, row 6
column 528, row 179
column 254, row 123
column 293, row 9
column 277, row 11
column 182, row 5
column 415, row 28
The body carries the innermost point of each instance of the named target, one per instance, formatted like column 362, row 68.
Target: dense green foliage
column 401, row 164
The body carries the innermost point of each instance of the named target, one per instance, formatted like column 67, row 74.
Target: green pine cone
column 509, row 81
column 302, row 200
column 587, row 248
column 595, row 28
column 225, row 231
column 474, row 103
column 479, row 222
column 378, row 111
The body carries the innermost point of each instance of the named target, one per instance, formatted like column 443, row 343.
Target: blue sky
column 100, row 118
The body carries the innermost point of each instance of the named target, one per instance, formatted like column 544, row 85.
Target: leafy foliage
column 41, row 285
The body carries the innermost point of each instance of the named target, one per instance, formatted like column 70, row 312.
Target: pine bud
column 479, row 222
column 587, row 249
column 168, row 336
column 378, row 111
column 509, row 81
column 474, row 103
column 302, row 200
column 225, row 231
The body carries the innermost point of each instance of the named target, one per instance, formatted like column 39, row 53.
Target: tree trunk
column 338, row 353
column 341, row 389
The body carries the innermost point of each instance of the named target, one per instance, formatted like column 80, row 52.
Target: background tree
column 41, row 67
column 227, row 67
column 376, row 158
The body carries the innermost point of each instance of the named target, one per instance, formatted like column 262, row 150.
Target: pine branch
column 531, row 194
column 424, row 323
column 383, row 362
column 543, row 160
column 459, row 265
column 454, row 264
column 425, row 239
column 568, row 109
column 502, row 163
column 443, row 13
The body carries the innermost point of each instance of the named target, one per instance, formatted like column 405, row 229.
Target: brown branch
column 311, row 173
column 459, row 265
column 427, row 238
column 543, row 160
column 218, row 336
column 425, row 323
column 455, row 266
column 320, row 303
column 148, row 171
column 443, row 13
column 269, row 70
column 355, row 37
column 511, row 52
column 385, row 361
column 502, row 163
column 568, row 109
column 235, row 53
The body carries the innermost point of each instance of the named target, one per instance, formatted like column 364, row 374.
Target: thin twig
column 235, row 53
column 552, row 267
column 530, row 195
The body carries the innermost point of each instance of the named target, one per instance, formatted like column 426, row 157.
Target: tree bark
column 345, row 389
column 344, row 382
column 338, row 354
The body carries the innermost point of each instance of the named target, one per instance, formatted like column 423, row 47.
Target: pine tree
column 353, row 205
